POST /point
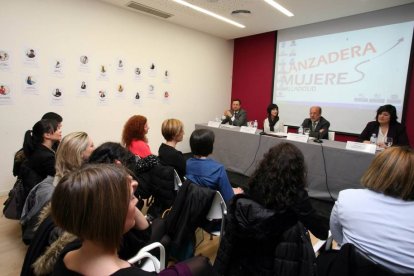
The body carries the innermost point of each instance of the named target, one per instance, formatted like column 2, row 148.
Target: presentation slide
column 349, row 74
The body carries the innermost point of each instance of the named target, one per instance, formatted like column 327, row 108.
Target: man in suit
column 317, row 124
column 236, row 116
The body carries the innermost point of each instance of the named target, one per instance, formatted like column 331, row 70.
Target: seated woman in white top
column 272, row 123
column 378, row 220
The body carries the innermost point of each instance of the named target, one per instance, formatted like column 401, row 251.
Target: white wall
column 200, row 67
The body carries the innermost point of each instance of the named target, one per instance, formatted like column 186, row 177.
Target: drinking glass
column 306, row 131
column 388, row 141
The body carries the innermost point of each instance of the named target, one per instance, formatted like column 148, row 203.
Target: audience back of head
column 92, row 203
column 110, row 152
column 392, row 173
column 201, row 142
column 69, row 155
column 279, row 177
column 171, row 128
column 134, row 129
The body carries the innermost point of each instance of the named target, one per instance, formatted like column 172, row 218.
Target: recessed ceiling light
column 279, row 7
column 197, row 8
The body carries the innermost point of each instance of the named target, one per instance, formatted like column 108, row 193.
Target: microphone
column 318, row 140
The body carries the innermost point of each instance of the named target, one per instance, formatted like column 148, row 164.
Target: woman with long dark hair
column 272, row 123
column 38, row 149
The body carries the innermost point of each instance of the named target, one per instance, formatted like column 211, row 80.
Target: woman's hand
column 238, row 190
column 141, row 222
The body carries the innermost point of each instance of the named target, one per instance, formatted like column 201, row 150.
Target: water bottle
column 255, row 124
column 300, row 130
column 373, row 138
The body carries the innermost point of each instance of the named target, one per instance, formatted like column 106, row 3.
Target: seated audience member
column 205, row 171
column 318, row 125
column 113, row 153
column 262, row 233
column 19, row 156
column 272, row 123
column 157, row 181
column 97, row 204
column 132, row 241
column 173, row 132
column 39, row 153
column 385, row 125
column 236, row 116
column 378, row 220
column 73, row 151
column 134, row 136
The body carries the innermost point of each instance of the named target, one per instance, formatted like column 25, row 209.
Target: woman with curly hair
column 263, row 233
column 134, row 136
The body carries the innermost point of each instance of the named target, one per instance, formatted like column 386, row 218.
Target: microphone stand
column 318, row 140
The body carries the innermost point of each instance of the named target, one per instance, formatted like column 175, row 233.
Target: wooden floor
column 12, row 248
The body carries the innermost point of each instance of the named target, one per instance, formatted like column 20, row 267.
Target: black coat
column 36, row 167
column 188, row 212
column 261, row 241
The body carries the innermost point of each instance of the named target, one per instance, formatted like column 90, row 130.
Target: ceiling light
column 209, row 13
column 279, row 7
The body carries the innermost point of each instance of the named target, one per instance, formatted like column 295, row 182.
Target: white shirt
column 381, row 136
column 278, row 126
column 380, row 226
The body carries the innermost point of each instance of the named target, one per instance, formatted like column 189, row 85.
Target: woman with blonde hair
column 173, row 132
column 134, row 136
column 75, row 150
column 377, row 220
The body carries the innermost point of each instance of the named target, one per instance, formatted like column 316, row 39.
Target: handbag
column 13, row 205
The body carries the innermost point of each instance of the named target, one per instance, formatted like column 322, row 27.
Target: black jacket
column 36, row 167
column 188, row 212
column 260, row 241
column 396, row 131
column 322, row 124
column 171, row 157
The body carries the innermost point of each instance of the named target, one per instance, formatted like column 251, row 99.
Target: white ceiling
column 263, row 17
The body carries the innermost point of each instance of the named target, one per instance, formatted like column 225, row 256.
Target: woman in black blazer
column 385, row 125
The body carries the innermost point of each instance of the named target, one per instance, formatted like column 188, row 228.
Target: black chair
column 349, row 261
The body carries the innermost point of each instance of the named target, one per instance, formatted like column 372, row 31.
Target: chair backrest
column 218, row 211
column 218, row 208
column 151, row 263
column 331, row 135
column 177, row 181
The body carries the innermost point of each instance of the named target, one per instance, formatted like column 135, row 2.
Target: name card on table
column 214, row 124
column 297, row 137
column 251, row 130
column 369, row 148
